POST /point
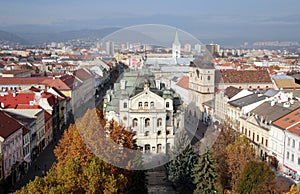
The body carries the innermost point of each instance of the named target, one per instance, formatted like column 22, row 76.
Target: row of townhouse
column 270, row 119
column 40, row 108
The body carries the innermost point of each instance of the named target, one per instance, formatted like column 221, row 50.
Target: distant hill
column 37, row 38
column 10, row 37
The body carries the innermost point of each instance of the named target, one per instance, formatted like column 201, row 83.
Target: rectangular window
column 288, row 155
column 289, row 141
column 262, row 140
column 257, row 138
column 293, row 145
column 266, row 143
column 298, row 160
column 292, row 157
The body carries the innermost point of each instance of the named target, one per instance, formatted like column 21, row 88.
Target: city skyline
column 231, row 20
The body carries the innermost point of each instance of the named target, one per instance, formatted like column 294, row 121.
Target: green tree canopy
column 257, row 178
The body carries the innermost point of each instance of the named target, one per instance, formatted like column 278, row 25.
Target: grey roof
column 135, row 84
column 271, row 93
column 247, row 100
column 210, row 103
column 270, row 113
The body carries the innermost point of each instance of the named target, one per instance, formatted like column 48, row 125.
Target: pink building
column 11, row 145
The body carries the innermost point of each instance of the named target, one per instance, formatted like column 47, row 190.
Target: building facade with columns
column 152, row 112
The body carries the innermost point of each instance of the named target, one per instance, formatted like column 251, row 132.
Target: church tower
column 176, row 47
column 201, row 83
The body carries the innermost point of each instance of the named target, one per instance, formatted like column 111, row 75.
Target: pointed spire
column 176, row 40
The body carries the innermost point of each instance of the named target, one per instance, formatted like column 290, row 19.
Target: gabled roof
column 83, row 74
column 70, row 81
column 232, row 91
column 183, row 82
column 270, row 113
column 8, row 125
column 247, row 100
column 288, row 120
column 245, row 76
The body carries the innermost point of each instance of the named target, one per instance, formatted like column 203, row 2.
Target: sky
column 213, row 19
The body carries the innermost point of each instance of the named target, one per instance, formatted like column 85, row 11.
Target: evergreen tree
column 205, row 174
column 179, row 169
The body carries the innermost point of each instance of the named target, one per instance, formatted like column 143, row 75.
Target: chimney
column 272, row 103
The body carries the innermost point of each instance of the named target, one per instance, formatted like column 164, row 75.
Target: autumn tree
column 257, row 177
column 78, row 169
column 238, row 155
column 226, row 137
column 204, row 174
column 295, row 189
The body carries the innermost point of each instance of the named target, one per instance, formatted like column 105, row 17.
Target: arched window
column 159, row 122
column 208, row 77
column 147, row 133
column 147, row 122
column 140, row 105
column 197, row 71
column 167, row 104
column 158, row 148
column 152, row 104
column 146, row 105
column 158, row 133
column 135, row 122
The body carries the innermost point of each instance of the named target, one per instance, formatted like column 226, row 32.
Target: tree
column 239, row 153
column 179, row 169
column 78, row 170
column 295, row 189
column 257, row 177
column 204, row 174
column 226, row 137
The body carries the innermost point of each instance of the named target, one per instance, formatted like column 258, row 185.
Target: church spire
column 176, row 47
column 176, row 40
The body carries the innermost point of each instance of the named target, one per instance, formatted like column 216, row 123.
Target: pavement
column 158, row 182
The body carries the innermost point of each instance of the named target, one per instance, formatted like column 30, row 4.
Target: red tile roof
column 295, row 129
column 8, row 125
column 232, row 91
column 289, row 120
column 183, row 82
column 11, row 101
column 83, row 74
column 23, row 81
column 245, row 76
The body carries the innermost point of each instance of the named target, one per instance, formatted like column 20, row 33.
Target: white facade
column 150, row 117
column 292, row 155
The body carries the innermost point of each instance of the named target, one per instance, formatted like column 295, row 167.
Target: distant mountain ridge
column 40, row 37
column 11, row 37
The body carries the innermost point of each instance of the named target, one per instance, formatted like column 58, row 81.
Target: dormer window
column 167, row 104
column 152, row 104
column 140, row 105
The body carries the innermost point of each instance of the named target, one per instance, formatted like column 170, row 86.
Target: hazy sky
column 212, row 18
